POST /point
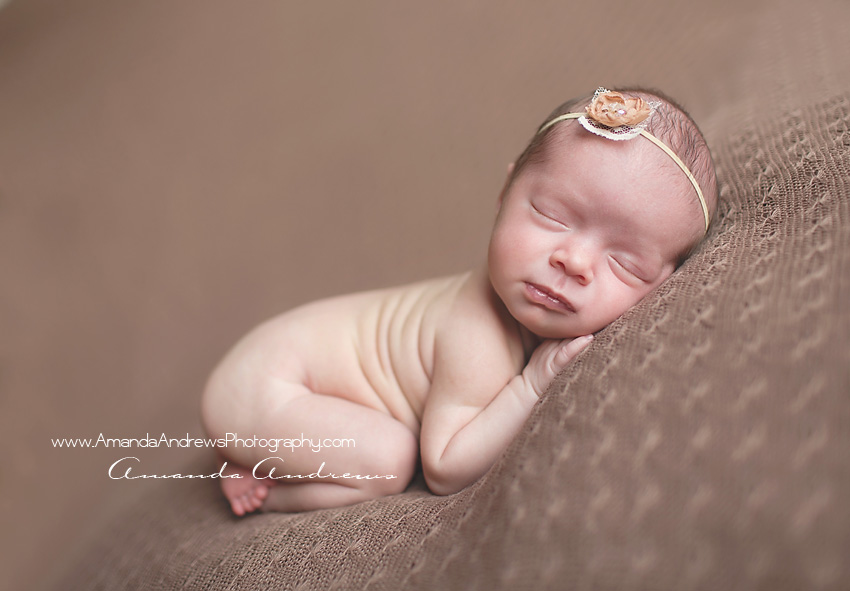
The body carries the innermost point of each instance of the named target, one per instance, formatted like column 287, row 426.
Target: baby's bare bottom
column 383, row 447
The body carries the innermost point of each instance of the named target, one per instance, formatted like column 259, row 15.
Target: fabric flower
column 613, row 109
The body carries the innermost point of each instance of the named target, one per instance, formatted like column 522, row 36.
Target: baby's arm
column 475, row 407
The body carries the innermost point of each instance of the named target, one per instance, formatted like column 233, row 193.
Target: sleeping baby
column 612, row 193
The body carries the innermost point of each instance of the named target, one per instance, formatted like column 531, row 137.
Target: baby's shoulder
column 476, row 326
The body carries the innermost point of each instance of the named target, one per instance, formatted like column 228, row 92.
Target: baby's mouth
column 547, row 298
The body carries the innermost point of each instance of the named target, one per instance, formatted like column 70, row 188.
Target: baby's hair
column 669, row 122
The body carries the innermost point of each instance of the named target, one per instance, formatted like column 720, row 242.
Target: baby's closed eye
column 548, row 217
column 627, row 269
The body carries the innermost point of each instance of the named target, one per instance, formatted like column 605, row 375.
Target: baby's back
column 375, row 348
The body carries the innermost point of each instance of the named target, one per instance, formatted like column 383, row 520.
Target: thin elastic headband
column 634, row 118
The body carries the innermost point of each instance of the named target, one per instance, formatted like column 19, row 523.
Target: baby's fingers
column 549, row 359
column 566, row 353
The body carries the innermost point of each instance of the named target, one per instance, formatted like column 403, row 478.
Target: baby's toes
column 237, row 506
column 256, row 503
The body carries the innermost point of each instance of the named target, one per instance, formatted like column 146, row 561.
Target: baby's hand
column 548, row 359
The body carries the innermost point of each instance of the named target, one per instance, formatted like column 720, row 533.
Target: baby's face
column 587, row 229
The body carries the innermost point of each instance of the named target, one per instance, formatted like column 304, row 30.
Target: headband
column 616, row 117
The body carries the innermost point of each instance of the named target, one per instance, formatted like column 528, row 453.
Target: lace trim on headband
column 619, row 133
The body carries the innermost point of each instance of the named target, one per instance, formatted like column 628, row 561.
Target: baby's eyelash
column 627, row 268
column 547, row 216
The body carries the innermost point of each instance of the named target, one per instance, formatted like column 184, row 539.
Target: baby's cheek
column 623, row 301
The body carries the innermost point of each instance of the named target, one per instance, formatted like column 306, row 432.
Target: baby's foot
column 246, row 494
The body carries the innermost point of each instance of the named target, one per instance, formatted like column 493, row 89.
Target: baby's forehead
column 622, row 169
column 575, row 149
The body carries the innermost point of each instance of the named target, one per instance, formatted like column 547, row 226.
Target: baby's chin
column 552, row 332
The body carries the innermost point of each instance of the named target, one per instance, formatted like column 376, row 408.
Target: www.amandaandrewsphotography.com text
column 129, row 467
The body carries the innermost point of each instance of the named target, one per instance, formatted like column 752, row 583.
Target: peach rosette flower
column 613, row 109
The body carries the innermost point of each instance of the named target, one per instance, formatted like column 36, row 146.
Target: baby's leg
column 382, row 446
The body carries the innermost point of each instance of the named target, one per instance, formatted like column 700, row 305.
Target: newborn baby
column 609, row 197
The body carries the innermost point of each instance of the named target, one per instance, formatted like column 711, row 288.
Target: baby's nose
column 575, row 262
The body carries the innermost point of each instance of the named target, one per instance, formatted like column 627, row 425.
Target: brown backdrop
column 172, row 173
